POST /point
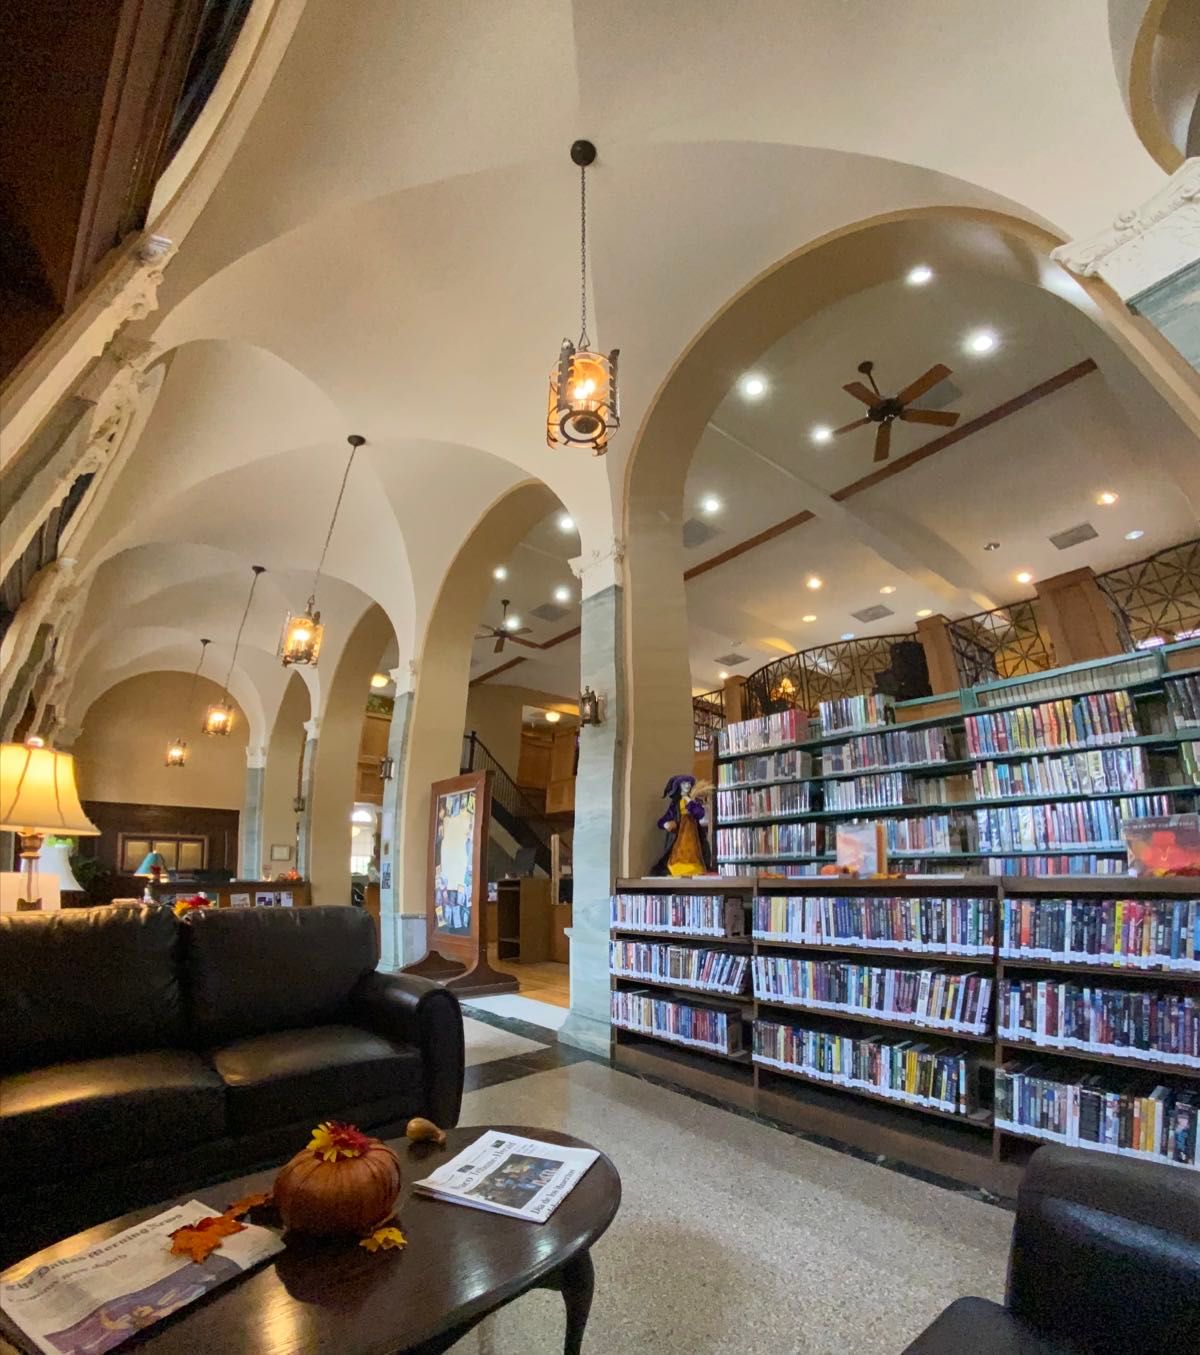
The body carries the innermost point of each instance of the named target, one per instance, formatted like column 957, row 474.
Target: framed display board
column 456, row 918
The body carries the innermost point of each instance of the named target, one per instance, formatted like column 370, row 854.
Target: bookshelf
column 886, row 1014
column 1031, row 776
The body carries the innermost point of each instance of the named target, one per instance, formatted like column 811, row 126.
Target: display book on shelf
column 1033, row 776
column 951, row 1022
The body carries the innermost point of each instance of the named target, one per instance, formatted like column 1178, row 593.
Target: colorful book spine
column 770, row 841
column 908, row 1070
column 1183, row 700
column 1086, row 721
column 924, row 926
column 893, row 748
column 678, row 914
column 1095, row 772
column 790, row 764
column 1063, row 823
column 766, row 802
column 1110, row 862
column 946, row 1000
column 714, row 971
column 764, row 731
column 682, row 1023
column 1142, row 934
column 856, row 712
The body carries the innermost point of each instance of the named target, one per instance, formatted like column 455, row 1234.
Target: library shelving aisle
column 950, row 1023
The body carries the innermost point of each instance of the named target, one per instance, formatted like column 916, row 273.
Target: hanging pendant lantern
column 300, row 642
column 583, row 407
column 218, row 718
column 177, row 750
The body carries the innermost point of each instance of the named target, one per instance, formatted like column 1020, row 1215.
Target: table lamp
column 38, row 796
column 56, row 860
column 155, row 866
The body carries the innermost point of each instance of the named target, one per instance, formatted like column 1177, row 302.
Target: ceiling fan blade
column 946, row 417
column 861, row 392
column 846, row 427
column 923, row 383
column 499, row 648
column 883, row 442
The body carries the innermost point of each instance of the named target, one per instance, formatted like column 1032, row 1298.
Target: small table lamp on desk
column 38, row 796
column 155, row 867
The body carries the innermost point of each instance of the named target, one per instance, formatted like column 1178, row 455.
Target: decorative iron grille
column 708, row 718
column 802, row 681
column 1157, row 600
column 1007, row 642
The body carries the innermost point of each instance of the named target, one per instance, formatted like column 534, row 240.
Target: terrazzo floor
column 486, row 1043
column 736, row 1237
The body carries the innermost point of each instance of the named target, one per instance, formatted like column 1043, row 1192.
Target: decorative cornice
column 405, row 677
column 599, row 569
column 312, row 728
column 1144, row 244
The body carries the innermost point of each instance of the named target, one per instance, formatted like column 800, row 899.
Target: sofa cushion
column 254, row 970
column 979, row 1327
column 87, row 982
column 313, row 1075
column 73, row 1117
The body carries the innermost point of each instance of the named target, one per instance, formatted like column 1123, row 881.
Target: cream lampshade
column 38, row 796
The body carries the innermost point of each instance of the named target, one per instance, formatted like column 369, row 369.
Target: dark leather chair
column 1105, row 1260
column 143, row 1056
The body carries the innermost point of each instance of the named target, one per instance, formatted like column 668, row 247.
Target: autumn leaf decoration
column 333, row 1141
column 384, row 1239
column 200, row 1239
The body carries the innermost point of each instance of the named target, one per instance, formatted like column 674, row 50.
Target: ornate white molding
column 405, row 677
column 599, row 569
column 256, row 757
column 312, row 728
column 1147, row 243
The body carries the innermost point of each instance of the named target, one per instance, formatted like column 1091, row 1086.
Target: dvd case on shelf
column 708, row 1028
column 1081, row 722
column 896, row 748
column 1144, row 934
column 716, row 971
column 1094, row 772
column 678, row 914
column 947, row 926
column 856, row 712
column 1063, row 823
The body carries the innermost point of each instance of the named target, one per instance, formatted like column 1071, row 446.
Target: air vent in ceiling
column 548, row 611
column 696, row 533
column 1074, row 535
column 876, row 613
column 732, row 659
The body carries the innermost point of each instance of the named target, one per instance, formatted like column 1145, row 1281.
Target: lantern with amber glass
column 218, row 718
column 582, row 409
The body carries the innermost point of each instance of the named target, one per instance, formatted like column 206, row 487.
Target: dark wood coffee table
column 334, row 1298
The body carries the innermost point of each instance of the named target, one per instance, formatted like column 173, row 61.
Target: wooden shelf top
column 1112, row 1060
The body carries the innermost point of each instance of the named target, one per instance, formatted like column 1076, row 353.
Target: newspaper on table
column 508, row 1174
column 94, row 1300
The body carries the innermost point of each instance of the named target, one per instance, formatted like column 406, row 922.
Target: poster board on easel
column 456, row 918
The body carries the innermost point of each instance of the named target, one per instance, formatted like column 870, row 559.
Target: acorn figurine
column 425, row 1131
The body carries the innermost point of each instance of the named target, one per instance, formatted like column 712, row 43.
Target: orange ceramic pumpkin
column 343, row 1182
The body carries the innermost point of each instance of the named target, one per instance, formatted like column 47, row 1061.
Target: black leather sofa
column 1105, row 1260
column 141, row 1056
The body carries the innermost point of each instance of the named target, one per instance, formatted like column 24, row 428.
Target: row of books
column 716, row 970
column 771, row 839
column 764, row 731
column 1063, row 823
column 1112, row 862
column 1189, row 762
column 906, row 1070
column 946, row 926
column 897, row 747
column 1083, row 721
column 1101, row 1110
column 856, row 712
column 1183, row 699
column 787, row 798
column 789, row 764
column 787, row 870
column 1090, row 773
column 930, row 997
column 1124, row 933
column 882, row 791
column 679, row 914
column 705, row 1028
column 929, row 833
column 1070, row 1014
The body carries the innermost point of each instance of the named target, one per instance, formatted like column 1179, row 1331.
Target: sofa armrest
column 426, row 1016
column 1106, row 1252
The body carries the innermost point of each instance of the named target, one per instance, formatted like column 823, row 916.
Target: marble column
column 599, row 802
column 402, row 921
column 1150, row 256
column 250, row 850
column 312, row 731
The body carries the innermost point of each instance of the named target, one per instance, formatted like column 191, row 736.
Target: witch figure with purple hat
column 686, row 850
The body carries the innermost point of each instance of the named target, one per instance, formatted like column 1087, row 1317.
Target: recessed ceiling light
column 1135, row 535
column 379, row 680
column 553, row 717
column 710, row 504
column 752, row 385
column 847, row 635
column 925, row 611
column 511, row 622
column 722, row 675
column 919, row 276
column 562, row 593
column 809, row 617
column 982, row 341
column 888, row 588
column 566, row 523
column 1024, row 576
column 813, row 582
column 822, row 433
column 991, row 545
column 1106, row 499
column 500, row 572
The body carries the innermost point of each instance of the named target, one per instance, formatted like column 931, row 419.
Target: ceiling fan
column 503, row 633
column 884, row 410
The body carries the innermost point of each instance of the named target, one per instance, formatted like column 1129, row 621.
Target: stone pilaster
column 312, row 731
column 599, row 802
column 401, row 921
column 250, row 846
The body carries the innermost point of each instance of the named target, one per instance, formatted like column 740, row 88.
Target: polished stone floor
column 734, row 1236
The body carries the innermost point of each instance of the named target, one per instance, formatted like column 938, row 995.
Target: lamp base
column 29, row 905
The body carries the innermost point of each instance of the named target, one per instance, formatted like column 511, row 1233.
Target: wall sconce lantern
column 387, row 768
column 583, row 407
column 590, row 712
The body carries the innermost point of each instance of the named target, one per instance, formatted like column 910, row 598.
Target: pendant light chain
column 584, row 341
column 355, row 444
column 196, row 672
column 258, row 569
